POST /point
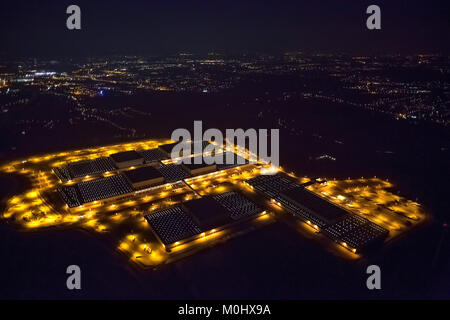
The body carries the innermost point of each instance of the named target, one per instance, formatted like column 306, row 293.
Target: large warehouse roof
column 321, row 207
column 200, row 215
column 125, row 156
column 151, row 155
column 142, row 174
column 208, row 213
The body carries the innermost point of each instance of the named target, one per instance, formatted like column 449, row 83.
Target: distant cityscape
column 413, row 88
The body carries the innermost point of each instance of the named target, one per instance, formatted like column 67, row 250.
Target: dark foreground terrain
column 274, row 262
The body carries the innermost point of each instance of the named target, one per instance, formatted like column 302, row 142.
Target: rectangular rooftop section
column 173, row 172
column 200, row 167
column 271, row 185
column 143, row 177
column 153, row 155
column 89, row 167
column 172, row 225
column 104, row 188
column 208, row 213
column 199, row 217
column 356, row 232
column 127, row 159
column 88, row 191
column 84, row 168
column 311, row 207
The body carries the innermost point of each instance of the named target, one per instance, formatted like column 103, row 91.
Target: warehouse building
column 153, row 155
column 200, row 217
column 173, row 172
column 207, row 213
column 99, row 189
column 310, row 207
column 84, row 168
column 90, row 167
column 167, row 148
column 356, row 232
column 198, row 169
column 127, row 159
column 271, row 185
column 143, row 177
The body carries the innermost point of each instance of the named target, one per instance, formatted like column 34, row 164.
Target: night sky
column 38, row 28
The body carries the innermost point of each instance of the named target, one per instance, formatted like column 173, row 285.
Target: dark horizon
column 38, row 29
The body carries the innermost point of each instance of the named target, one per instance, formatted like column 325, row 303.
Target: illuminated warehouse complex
column 177, row 225
column 169, row 207
column 352, row 231
column 129, row 171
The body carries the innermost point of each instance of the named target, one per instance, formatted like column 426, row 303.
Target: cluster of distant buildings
column 364, row 82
